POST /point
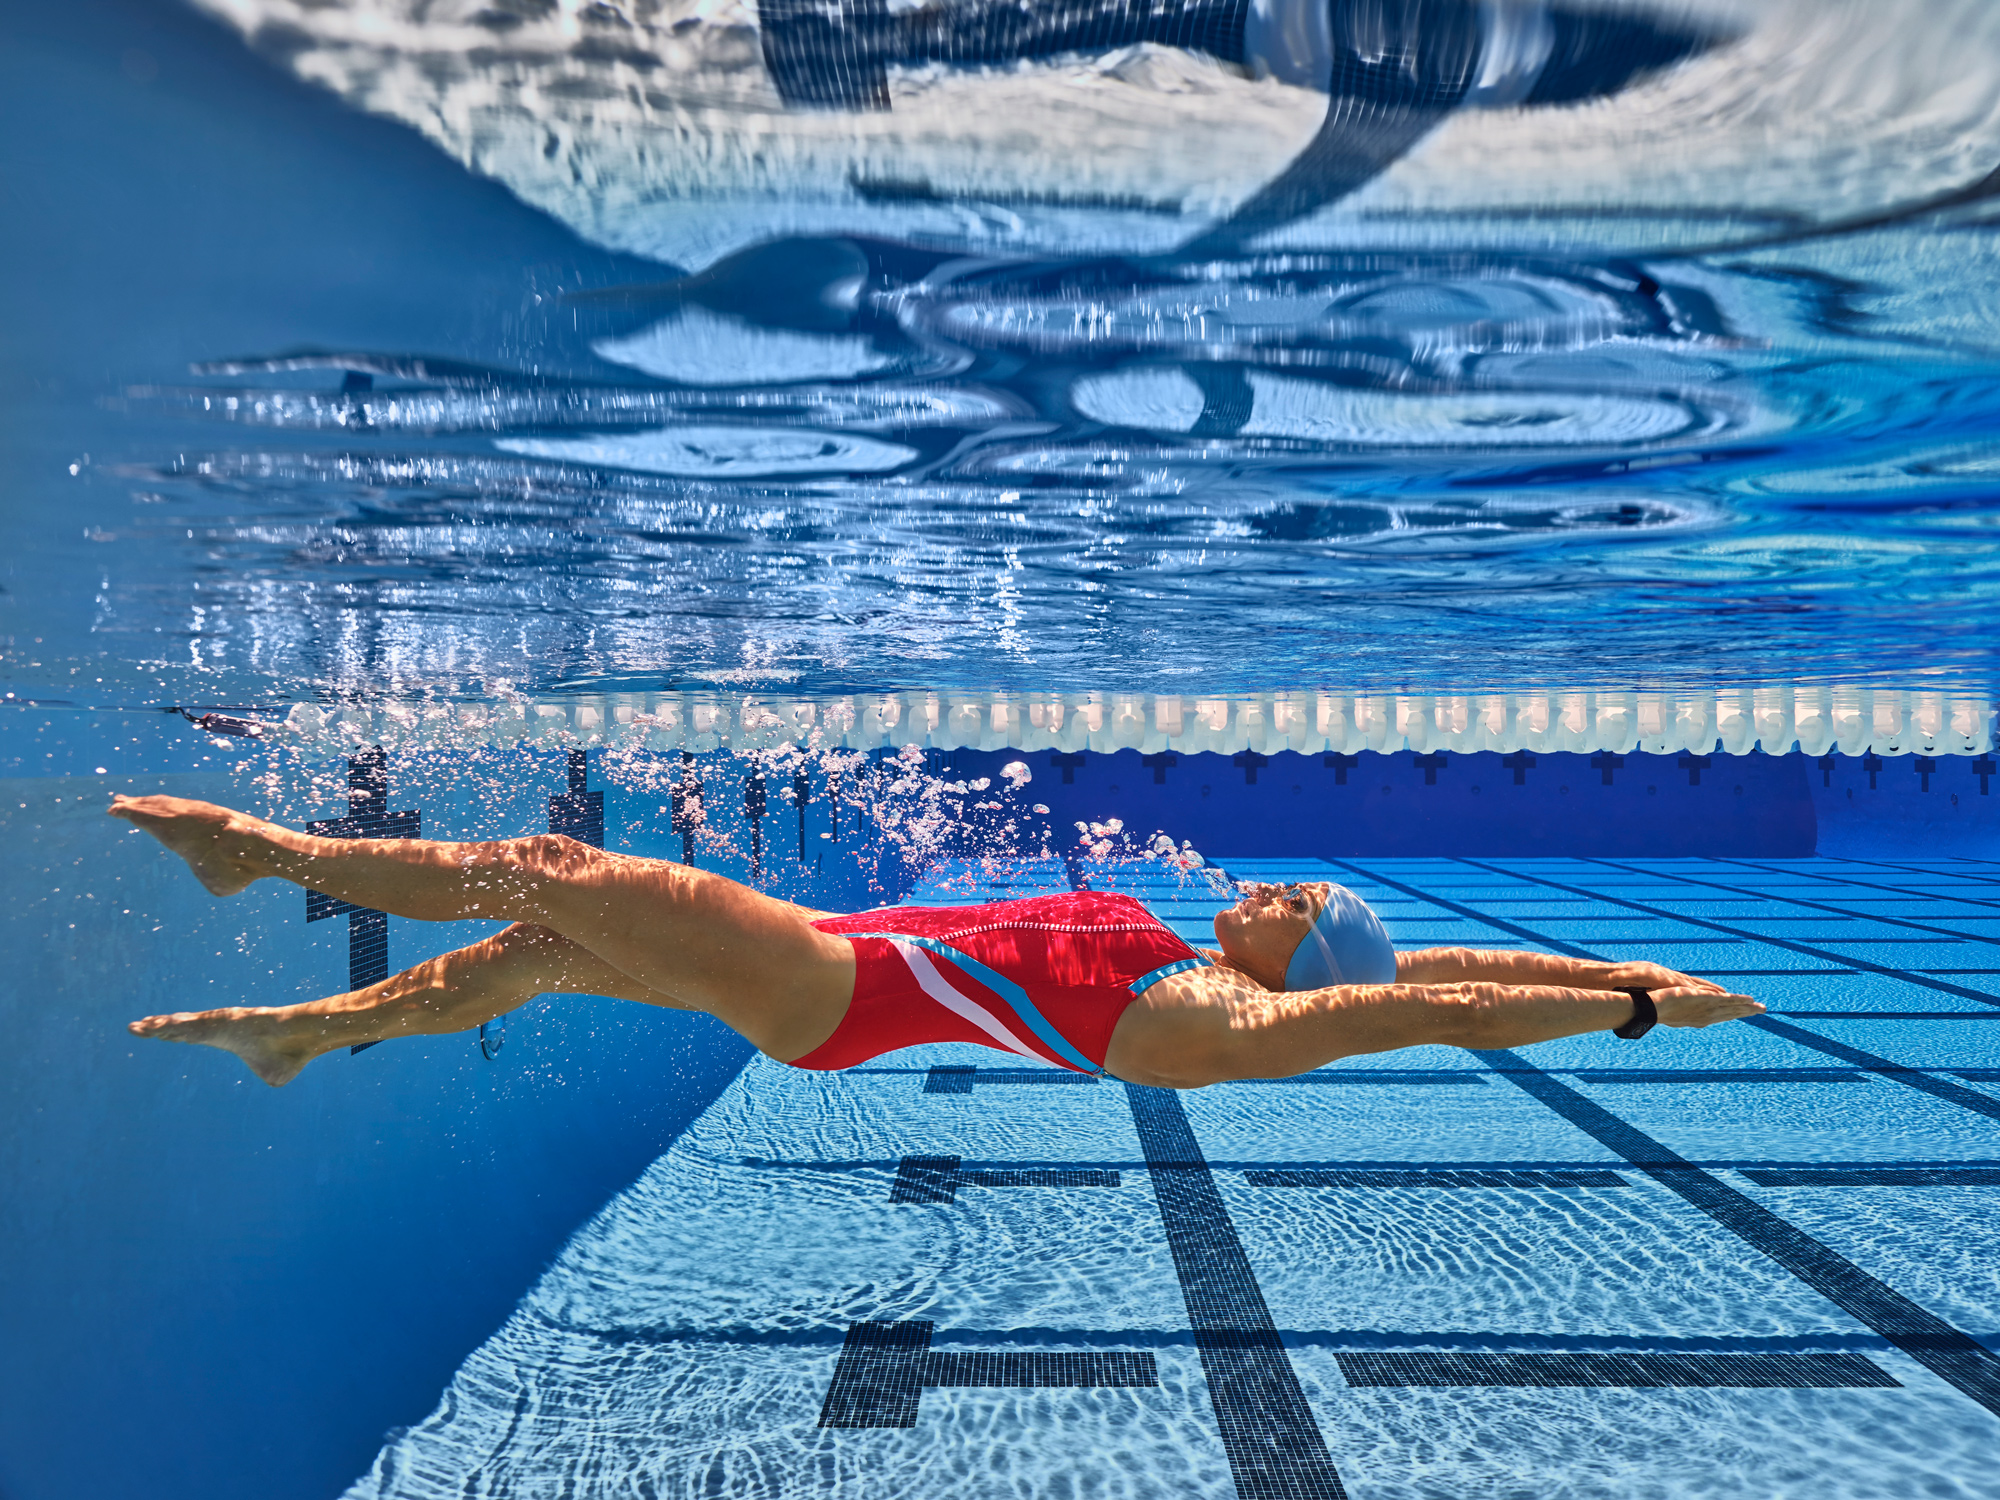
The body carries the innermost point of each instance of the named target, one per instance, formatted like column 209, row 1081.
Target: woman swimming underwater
column 1301, row 974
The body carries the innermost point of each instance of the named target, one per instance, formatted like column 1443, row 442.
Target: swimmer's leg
column 453, row 992
column 754, row 963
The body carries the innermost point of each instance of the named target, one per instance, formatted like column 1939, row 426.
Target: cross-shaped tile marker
column 1520, row 763
column 1430, row 765
column 1606, row 762
column 1983, row 768
column 1925, row 766
column 1158, row 765
column 687, row 806
column 1067, row 764
column 368, row 817
column 1249, row 760
column 753, row 809
column 1694, row 765
column 801, row 794
column 1872, row 764
column 579, row 813
column 1340, row 765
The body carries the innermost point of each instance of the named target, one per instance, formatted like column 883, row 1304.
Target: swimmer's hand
column 1642, row 976
column 1684, row 1005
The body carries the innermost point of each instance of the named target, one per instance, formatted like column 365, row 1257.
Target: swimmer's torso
column 1046, row 978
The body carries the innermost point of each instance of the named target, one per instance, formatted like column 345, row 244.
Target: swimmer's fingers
column 1684, row 1006
column 1654, row 977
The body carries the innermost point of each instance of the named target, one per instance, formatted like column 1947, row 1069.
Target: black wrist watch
column 1643, row 1016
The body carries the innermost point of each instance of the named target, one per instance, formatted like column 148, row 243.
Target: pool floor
column 1753, row 1260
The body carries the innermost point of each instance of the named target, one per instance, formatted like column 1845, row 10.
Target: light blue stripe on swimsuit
column 1180, row 966
column 1014, row 995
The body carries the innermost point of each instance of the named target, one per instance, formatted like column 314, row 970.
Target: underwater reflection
column 997, row 335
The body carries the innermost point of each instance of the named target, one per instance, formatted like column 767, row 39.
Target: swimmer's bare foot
column 213, row 840
column 265, row 1039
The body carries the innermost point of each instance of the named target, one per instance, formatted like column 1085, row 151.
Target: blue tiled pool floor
column 1753, row 1260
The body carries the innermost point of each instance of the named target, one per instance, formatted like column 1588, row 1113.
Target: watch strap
column 1644, row 1016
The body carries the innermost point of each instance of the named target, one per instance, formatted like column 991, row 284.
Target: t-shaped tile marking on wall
column 801, row 794
column 1694, row 765
column 1249, row 761
column 1606, row 762
column 753, row 809
column 1340, row 765
column 1520, row 763
column 368, row 817
column 687, row 806
column 1983, row 768
column 1067, row 764
column 580, row 812
column 1925, row 766
column 1430, row 765
column 1158, row 765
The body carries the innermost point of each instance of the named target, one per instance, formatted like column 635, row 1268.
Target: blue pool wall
column 1407, row 804
column 217, row 1289
column 229, row 1291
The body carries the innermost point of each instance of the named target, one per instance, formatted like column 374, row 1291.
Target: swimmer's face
column 1259, row 933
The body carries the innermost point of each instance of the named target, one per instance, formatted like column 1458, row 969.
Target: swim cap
column 1344, row 945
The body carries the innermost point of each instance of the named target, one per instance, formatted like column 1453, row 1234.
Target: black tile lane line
column 1953, row 875
column 884, row 1369
column 1869, row 885
column 1630, row 1370
column 1943, row 987
column 1883, row 1176
column 961, row 1079
column 1381, row 1164
column 1274, row 1446
column 1894, row 1015
column 1839, row 913
column 1436, row 1177
column 1939, row 1088
column 1947, row 1352
column 937, row 1179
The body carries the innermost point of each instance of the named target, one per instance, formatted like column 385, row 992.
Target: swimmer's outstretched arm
column 1212, row 1026
column 1511, row 966
column 455, row 991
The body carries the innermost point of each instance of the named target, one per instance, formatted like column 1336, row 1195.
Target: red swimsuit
column 1047, row 977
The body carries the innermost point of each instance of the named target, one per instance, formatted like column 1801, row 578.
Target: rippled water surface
column 1692, row 381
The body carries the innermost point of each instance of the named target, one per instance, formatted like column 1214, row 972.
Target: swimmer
column 1301, row 975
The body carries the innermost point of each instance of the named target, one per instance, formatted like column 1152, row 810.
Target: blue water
column 1550, row 492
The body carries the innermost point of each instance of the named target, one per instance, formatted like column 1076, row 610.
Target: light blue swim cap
column 1344, row 945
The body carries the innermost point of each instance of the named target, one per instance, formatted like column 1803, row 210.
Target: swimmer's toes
column 271, row 1057
column 196, row 831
